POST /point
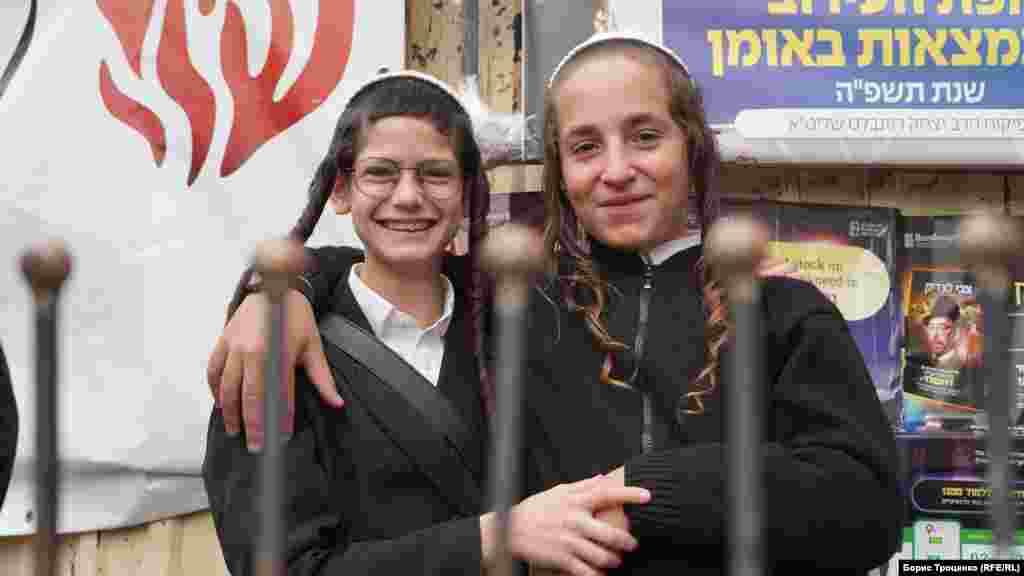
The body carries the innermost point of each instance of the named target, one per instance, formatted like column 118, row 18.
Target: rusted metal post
column 46, row 267
column 277, row 262
column 734, row 249
column 988, row 243
column 514, row 253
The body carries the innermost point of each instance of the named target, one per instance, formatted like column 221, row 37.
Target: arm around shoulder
column 320, row 502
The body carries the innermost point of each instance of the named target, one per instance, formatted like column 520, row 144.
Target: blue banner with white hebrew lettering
column 911, row 68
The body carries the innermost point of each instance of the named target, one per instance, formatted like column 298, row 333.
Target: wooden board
column 924, row 193
column 434, row 39
column 500, row 75
column 183, row 546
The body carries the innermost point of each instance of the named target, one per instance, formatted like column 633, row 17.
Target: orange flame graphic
column 132, row 18
column 257, row 117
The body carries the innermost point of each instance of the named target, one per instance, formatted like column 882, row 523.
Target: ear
column 339, row 199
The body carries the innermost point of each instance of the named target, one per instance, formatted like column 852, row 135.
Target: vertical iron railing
column 46, row 267
column 735, row 247
column 988, row 243
column 277, row 262
column 513, row 253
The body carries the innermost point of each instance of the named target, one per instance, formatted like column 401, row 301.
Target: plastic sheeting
column 155, row 259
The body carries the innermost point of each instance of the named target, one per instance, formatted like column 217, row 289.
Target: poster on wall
column 943, row 331
column 948, row 498
column 898, row 82
column 161, row 140
column 849, row 253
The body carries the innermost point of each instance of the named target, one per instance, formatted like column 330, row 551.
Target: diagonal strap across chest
column 450, row 465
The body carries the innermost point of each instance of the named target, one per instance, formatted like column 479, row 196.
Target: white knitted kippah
column 385, row 74
column 617, row 36
column 498, row 135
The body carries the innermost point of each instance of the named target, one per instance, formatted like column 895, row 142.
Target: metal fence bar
column 735, row 247
column 277, row 262
column 46, row 267
column 988, row 244
column 514, row 254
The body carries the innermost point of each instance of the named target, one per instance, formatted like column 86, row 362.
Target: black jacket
column 832, row 492
column 369, row 487
column 8, row 427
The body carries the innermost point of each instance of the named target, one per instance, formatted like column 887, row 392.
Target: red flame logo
column 257, row 117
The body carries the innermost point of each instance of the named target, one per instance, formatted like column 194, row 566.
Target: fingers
column 215, row 367
column 591, row 556
column 604, row 535
column 304, row 336
column 607, row 495
column 534, row 571
column 230, row 394
column 778, row 268
column 563, row 562
column 577, row 567
column 315, row 363
column 252, row 399
column 775, row 266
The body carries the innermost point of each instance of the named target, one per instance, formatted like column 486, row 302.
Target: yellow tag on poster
column 853, row 278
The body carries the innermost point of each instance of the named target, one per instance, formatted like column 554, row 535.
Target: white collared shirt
column 666, row 250
column 423, row 348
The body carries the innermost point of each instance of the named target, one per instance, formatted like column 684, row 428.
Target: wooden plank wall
column 188, row 545
column 180, row 546
column 914, row 192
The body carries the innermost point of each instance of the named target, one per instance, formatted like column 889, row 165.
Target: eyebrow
column 420, row 161
column 630, row 121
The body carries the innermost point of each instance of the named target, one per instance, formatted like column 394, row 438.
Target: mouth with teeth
column 409, row 226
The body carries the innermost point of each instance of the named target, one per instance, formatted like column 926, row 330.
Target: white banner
column 853, row 82
column 161, row 139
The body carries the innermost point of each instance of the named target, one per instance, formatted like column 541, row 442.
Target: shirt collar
column 383, row 315
column 666, row 250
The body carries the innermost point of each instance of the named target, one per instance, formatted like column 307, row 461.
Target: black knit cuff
column 304, row 284
column 317, row 290
column 656, row 473
column 300, row 283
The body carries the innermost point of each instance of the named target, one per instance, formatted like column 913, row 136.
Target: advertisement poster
column 943, row 338
column 947, row 497
column 849, row 253
column 901, row 82
column 943, row 332
column 161, row 140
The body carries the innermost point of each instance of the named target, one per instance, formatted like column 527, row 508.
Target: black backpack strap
column 388, row 366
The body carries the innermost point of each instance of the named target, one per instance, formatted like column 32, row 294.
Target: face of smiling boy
column 406, row 224
column 623, row 158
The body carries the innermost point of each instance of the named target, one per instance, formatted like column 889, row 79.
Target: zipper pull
column 648, row 275
column 647, row 435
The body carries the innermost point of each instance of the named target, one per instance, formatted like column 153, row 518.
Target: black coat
column 831, row 493
column 8, row 427
column 832, row 475
column 371, row 488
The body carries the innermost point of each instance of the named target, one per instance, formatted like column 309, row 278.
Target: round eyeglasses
column 378, row 177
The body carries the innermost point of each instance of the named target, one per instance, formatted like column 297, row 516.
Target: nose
column 408, row 192
column 618, row 169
